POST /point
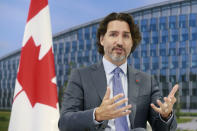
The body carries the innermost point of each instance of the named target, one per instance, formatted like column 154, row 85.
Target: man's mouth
column 118, row 50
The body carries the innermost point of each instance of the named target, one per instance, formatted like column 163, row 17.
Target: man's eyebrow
column 127, row 32
column 113, row 31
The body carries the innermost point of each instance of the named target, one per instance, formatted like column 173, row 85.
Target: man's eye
column 113, row 34
column 126, row 36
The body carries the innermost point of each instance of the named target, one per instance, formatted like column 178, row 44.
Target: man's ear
column 101, row 39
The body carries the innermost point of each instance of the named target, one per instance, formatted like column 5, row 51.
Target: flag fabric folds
column 35, row 103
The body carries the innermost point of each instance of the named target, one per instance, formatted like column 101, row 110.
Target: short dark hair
column 135, row 33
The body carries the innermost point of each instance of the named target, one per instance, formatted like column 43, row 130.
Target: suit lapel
column 133, row 90
column 99, row 79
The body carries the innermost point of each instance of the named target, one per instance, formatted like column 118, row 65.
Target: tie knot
column 117, row 70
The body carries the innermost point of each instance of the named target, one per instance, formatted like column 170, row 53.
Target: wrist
column 166, row 117
column 97, row 117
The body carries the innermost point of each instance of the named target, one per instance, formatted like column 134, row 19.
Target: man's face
column 117, row 42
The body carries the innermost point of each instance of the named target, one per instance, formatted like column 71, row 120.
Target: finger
column 173, row 100
column 159, row 103
column 155, row 108
column 174, row 90
column 167, row 100
column 168, row 103
column 117, row 104
column 117, row 97
column 107, row 94
column 123, row 109
column 123, row 113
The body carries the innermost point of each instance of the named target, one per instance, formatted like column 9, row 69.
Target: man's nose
column 120, row 40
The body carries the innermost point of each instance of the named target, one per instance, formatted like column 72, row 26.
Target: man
column 111, row 95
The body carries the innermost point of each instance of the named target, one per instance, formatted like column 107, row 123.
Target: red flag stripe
column 17, row 95
column 35, row 7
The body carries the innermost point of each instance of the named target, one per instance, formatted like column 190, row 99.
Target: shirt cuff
column 94, row 120
column 168, row 120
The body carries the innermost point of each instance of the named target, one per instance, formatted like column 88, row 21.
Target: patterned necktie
column 120, row 122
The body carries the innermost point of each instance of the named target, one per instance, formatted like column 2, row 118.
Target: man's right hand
column 109, row 109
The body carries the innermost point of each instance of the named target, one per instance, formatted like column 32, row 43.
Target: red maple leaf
column 35, row 75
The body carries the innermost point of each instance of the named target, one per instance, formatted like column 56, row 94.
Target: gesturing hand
column 109, row 107
column 166, row 108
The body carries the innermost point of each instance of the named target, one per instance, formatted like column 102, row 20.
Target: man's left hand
column 165, row 108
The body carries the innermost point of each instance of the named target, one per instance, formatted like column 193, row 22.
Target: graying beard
column 116, row 59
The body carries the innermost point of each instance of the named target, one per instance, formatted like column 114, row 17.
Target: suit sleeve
column 154, row 119
column 73, row 116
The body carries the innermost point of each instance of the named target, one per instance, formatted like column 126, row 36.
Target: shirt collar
column 109, row 67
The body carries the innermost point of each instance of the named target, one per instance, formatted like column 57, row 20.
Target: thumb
column 107, row 94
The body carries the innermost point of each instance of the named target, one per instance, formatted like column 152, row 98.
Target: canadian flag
column 35, row 104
